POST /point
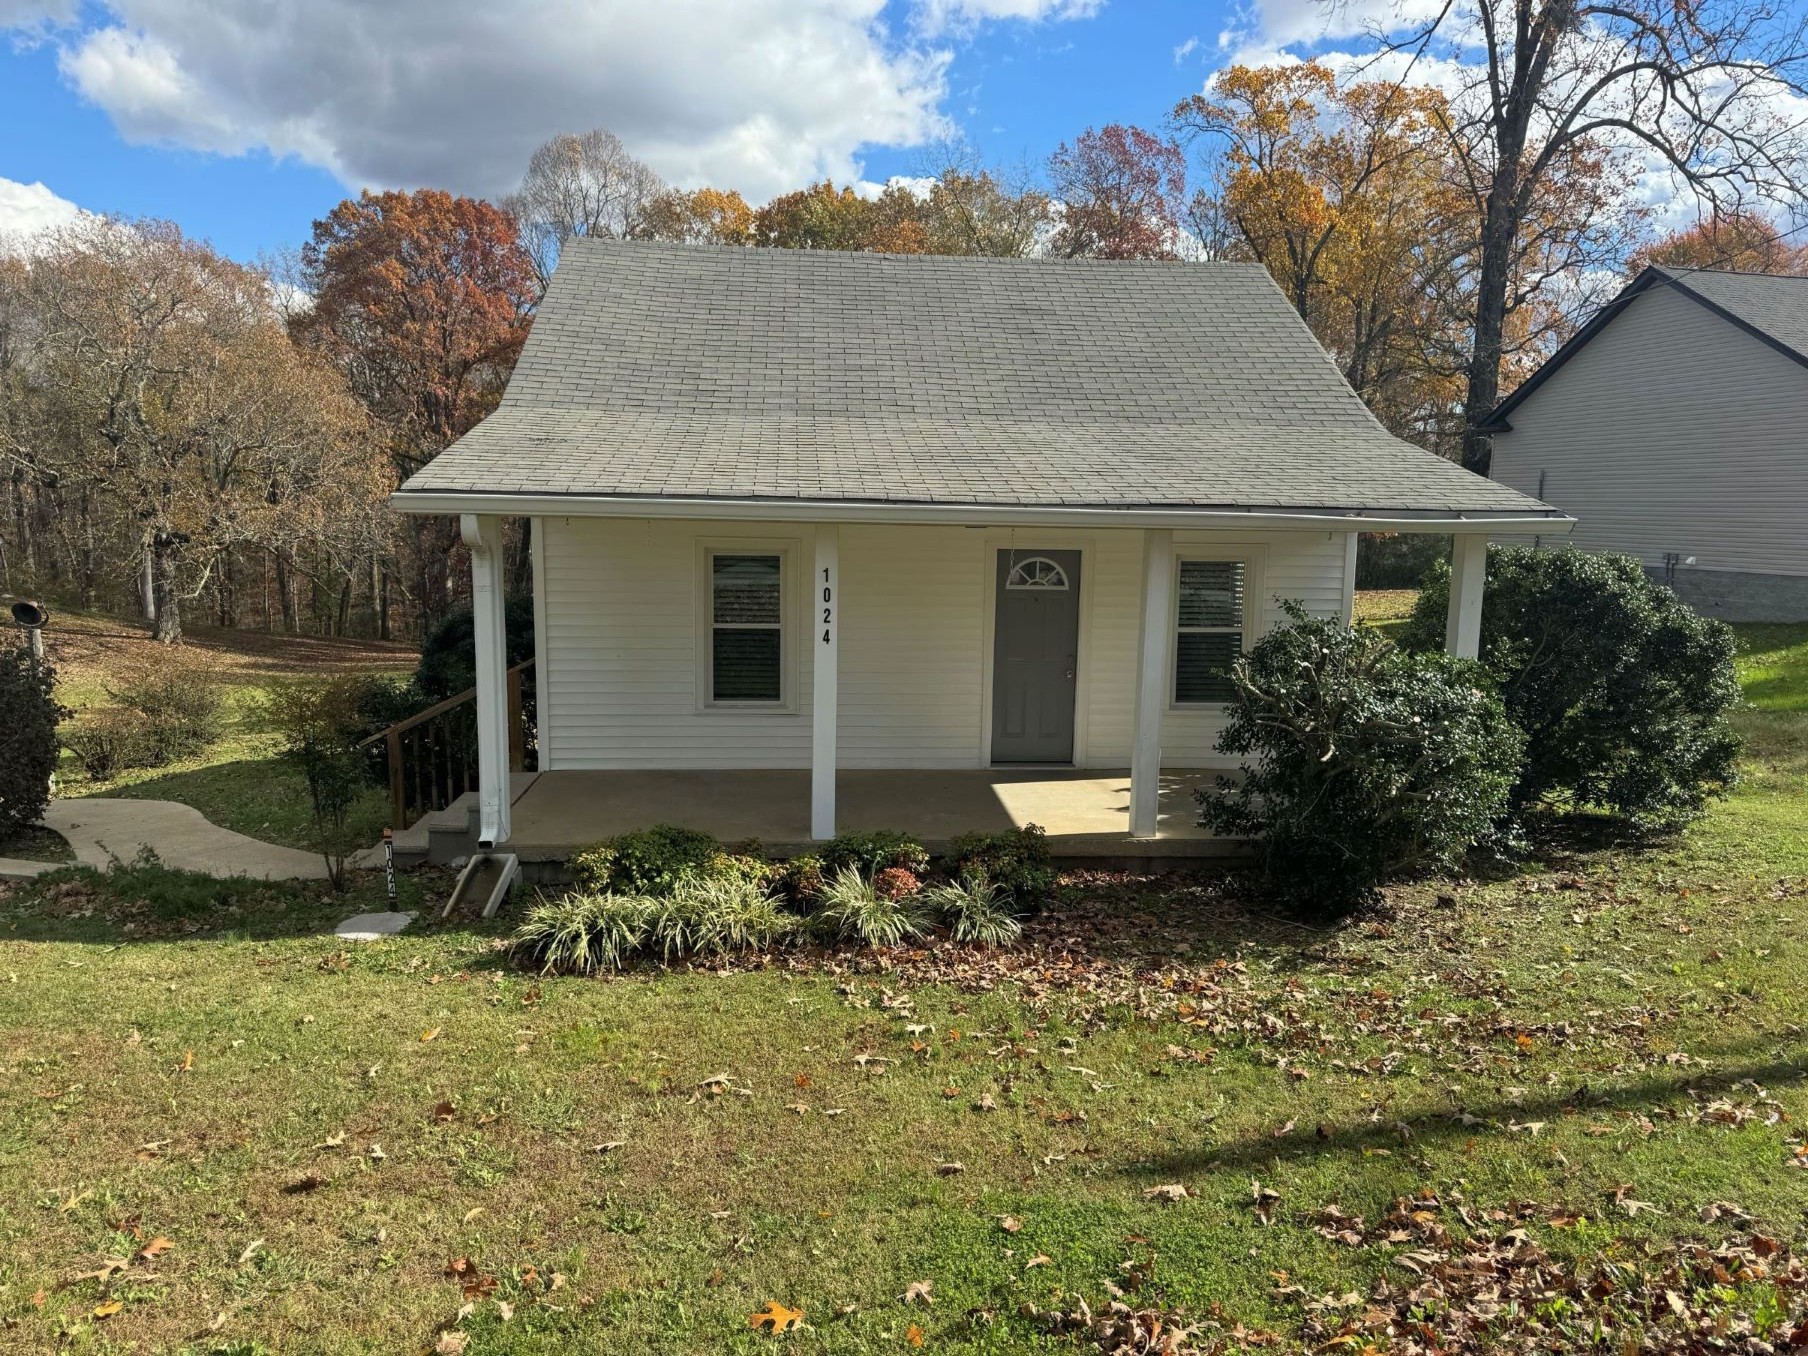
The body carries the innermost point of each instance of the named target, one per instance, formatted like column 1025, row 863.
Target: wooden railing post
column 398, row 808
column 517, row 740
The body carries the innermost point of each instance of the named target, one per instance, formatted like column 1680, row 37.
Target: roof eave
column 1532, row 520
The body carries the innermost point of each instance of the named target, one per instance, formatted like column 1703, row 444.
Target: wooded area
column 181, row 434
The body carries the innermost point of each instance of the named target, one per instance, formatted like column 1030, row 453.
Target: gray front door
column 1035, row 656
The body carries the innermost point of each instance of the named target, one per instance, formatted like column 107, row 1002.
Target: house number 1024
column 828, row 608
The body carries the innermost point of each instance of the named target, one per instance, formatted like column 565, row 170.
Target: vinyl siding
column 1673, row 430
column 621, row 618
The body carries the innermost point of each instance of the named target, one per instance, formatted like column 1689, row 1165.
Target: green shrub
column 1622, row 690
column 646, row 861
column 179, row 703
column 580, row 934
column 1017, row 861
column 870, row 853
column 106, row 742
column 28, row 738
column 320, row 725
column 448, row 662
column 1366, row 762
column 801, row 882
column 852, row 910
column 976, row 910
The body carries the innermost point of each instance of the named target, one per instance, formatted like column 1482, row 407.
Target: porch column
column 1155, row 662
column 1468, row 570
column 825, row 629
column 483, row 534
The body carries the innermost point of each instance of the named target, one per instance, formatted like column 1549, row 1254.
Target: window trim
column 786, row 551
column 1252, row 576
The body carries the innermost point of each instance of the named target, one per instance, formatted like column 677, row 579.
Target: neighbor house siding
column 1672, row 431
column 621, row 624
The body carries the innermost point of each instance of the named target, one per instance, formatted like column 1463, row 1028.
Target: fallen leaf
column 1010, row 1224
column 776, row 1318
column 918, row 1290
column 914, row 1335
column 108, row 1309
column 1172, row 1192
column 250, row 1248
column 451, row 1343
column 949, row 1169
column 301, row 1185
column 187, row 1063
column 429, row 1034
column 444, row 1111
column 156, row 1247
column 1041, row 1259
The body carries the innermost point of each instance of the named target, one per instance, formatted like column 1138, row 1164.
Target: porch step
column 439, row 837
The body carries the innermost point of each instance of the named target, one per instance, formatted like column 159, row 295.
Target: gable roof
column 1771, row 307
column 791, row 378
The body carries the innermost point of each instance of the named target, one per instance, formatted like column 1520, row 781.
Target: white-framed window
column 1211, row 606
column 745, row 625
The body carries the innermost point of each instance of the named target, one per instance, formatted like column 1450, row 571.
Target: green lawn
column 239, row 782
column 1606, row 1052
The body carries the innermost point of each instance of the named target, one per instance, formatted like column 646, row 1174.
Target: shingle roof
column 685, row 371
column 1773, row 304
column 1771, row 307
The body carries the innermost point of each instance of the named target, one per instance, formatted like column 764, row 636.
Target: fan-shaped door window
column 1038, row 572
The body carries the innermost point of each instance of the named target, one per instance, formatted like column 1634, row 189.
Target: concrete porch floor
column 1086, row 812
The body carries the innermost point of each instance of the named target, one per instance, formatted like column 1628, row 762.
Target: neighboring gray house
column 829, row 540
column 1674, row 427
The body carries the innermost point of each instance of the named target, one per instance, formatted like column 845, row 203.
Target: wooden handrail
column 440, row 708
column 444, row 766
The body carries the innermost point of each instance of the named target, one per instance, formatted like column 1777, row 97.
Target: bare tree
column 1700, row 90
column 579, row 185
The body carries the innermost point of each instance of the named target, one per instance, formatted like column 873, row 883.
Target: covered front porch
column 1086, row 813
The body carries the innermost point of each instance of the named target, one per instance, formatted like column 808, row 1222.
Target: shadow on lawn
column 145, row 901
column 1657, row 1091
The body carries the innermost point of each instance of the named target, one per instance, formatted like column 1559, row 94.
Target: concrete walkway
column 102, row 830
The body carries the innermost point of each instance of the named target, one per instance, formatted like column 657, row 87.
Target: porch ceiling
column 1086, row 813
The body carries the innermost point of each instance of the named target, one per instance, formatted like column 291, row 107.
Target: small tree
column 1366, row 762
column 29, row 716
column 1622, row 690
column 320, row 725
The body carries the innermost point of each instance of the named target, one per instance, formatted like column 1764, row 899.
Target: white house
column 1674, row 427
column 829, row 540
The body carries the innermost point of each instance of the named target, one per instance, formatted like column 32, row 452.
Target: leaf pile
column 1507, row 1293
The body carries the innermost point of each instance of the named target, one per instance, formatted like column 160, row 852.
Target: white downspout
column 483, row 534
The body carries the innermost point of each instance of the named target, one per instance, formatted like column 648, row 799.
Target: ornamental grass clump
column 853, row 910
column 976, row 910
column 581, row 934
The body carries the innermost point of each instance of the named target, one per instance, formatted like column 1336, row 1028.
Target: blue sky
column 244, row 132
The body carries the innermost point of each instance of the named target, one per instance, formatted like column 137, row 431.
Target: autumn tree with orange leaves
column 1738, row 242
column 423, row 301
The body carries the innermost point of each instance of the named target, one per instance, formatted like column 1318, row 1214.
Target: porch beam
column 483, row 535
column 1468, row 572
column 825, row 641
column 1154, row 664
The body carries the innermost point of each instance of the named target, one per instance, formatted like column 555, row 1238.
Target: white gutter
column 969, row 515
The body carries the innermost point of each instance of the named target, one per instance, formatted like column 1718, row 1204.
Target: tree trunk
column 147, row 583
column 168, row 627
column 1500, row 232
column 285, row 592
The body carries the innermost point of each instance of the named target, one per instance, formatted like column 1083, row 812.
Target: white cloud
column 1185, row 50
column 760, row 95
column 941, row 16
column 27, row 209
column 36, row 15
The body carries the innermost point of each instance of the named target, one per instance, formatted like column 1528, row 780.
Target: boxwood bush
column 1365, row 762
column 1622, row 690
column 28, row 739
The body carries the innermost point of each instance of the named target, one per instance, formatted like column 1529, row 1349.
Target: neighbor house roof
column 1771, row 307
column 794, row 379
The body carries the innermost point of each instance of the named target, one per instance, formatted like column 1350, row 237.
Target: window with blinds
column 746, row 634
column 1210, row 638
